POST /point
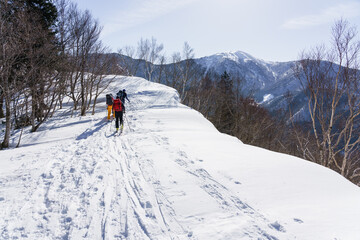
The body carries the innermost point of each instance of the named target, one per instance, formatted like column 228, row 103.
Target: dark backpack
column 120, row 94
column 109, row 100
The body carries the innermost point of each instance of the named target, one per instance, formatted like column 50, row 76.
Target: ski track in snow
column 104, row 186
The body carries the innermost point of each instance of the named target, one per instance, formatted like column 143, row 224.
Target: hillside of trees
column 49, row 51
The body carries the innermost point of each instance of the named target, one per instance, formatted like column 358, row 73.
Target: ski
column 118, row 132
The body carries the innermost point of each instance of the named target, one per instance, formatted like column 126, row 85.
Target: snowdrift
column 169, row 175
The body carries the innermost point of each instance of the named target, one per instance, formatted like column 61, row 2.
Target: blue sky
column 272, row 30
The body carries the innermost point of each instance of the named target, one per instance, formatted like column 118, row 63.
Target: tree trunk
column 2, row 115
column 5, row 143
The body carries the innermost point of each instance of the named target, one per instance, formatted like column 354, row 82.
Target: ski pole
column 127, row 123
column 133, row 106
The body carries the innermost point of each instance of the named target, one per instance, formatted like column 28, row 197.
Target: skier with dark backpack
column 109, row 102
column 122, row 95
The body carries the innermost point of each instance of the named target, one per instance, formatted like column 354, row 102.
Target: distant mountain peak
column 237, row 56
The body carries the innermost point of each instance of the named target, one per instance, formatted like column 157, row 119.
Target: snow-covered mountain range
column 169, row 175
column 265, row 80
column 259, row 75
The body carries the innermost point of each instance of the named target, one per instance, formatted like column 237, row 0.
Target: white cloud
column 328, row 15
column 143, row 12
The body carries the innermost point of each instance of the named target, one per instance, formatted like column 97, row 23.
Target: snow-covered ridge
column 170, row 175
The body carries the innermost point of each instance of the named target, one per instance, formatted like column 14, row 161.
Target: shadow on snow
column 88, row 132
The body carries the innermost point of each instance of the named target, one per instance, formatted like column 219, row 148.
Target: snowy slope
column 170, row 175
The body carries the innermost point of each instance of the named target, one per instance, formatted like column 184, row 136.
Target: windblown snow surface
column 170, row 175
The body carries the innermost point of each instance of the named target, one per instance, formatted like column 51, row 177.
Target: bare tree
column 182, row 71
column 172, row 74
column 101, row 65
column 331, row 83
column 188, row 69
column 21, row 112
column 201, row 94
column 41, row 78
column 63, row 37
column 83, row 42
column 151, row 52
column 88, row 61
column 128, row 60
column 160, row 69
